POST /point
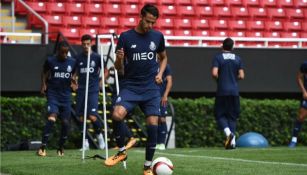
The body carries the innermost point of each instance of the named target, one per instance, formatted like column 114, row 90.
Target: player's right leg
column 298, row 124
column 118, row 115
column 46, row 133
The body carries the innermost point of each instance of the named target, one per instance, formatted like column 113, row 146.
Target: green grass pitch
column 187, row 161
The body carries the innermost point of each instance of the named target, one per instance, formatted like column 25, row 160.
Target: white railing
column 266, row 41
column 5, row 37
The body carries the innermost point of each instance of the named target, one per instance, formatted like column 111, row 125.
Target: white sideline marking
column 232, row 159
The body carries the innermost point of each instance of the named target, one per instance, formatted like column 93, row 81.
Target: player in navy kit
column 302, row 113
column 56, row 84
column 165, row 88
column 136, row 56
column 227, row 69
column 93, row 88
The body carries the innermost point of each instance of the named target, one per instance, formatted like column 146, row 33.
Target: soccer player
column 56, row 84
column 136, row 55
column 165, row 88
column 227, row 69
column 93, row 88
column 302, row 112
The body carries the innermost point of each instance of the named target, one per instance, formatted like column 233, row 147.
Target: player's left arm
column 241, row 74
column 163, row 62
column 169, row 84
column 215, row 72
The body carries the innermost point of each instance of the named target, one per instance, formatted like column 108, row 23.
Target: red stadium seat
column 90, row 21
column 272, row 34
column 233, row 2
column 304, row 26
column 93, row 9
column 112, row 22
column 290, row 35
column 131, row 9
column 109, row 30
column 295, row 13
column 54, row 20
column 131, row 1
column 186, row 10
column 39, row 7
column 183, row 33
column 255, row 34
column 285, row 3
column 200, row 2
column 217, row 2
column 217, row 33
column 239, row 12
column 300, row 3
column 200, row 24
column 274, row 25
column 204, row 11
column 128, row 22
column 276, row 13
column 183, row 2
column 114, row 1
column 251, row 3
column 20, row 9
column 70, row 21
column 166, row 23
column 75, row 8
column 237, row 34
column 293, row 26
column 218, row 24
column 168, row 2
column 304, row 35
column 167, row 32
column 255, row 25
column 90, row 31
column 237, row 25
column 56, row 8
column 258, row 12
column 113, row 9
column 71, row 33
column 168, row 10
column 268, row 3
column 200, row 33
column 154, row 2
column 183, row 23
column 222, row 11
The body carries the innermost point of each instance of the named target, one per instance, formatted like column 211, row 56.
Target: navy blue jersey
column 59, row 81
column 95, row 66
column 303, row 70
column 166, row 73
column 140, row 62
column 228, row 65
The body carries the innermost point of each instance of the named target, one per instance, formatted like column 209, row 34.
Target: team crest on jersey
column 118, row 99
column 152, row 46
column 69, row 69
column 93, row 64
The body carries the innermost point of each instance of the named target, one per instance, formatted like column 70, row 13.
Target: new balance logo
column 133, row 46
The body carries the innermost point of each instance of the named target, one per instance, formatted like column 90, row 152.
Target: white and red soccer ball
column 162, row 166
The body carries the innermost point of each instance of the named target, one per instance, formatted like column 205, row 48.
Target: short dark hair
column 62, row 44
column 86, row 37
column 148, row 8
column 228, row 44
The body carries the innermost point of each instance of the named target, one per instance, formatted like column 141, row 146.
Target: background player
column 136, row 54
column 56, row 83
column 227, row 69
column 302, row 112
column 165, row 88
column 93, row 88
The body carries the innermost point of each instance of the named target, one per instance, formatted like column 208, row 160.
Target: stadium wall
column 267, row 70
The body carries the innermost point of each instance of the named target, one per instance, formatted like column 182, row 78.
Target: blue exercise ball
column 252, row 139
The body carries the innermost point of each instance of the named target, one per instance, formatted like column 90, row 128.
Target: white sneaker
column 86, row 145
column 101, row 143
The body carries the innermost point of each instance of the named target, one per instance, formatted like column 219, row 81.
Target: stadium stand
column 233, row 18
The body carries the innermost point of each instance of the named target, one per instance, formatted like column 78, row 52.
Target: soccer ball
column 162, row 166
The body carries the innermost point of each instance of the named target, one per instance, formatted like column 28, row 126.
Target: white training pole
column 104, row 102
column 85, row 101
